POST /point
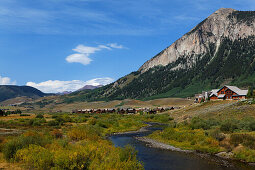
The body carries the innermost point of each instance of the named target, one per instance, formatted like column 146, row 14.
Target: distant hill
column 11, row 91
column 220, row 50
column 89, row 87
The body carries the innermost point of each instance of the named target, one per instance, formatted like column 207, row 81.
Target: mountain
column 64, row 93
column 219, row 50
column 86, row 87
column 11, row 91
column 89, row 87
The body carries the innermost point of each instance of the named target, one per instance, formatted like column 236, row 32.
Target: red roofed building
column 228, row 93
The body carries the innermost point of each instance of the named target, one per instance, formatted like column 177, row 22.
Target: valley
column 182, row 109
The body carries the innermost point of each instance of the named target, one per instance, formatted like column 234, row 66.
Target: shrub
column 57, row 133
column 75, row 158
column 217, row 134
column 84, row 132
column 80, row 119
column 245, row 154
column 39, row 116
column 92, row 121
column 229, row 126
column 127, row 153
column 53, row 123
column 67, row 118
column 244, row 139
column 186, row 138
column 35, row 156
column 12, row 146
column 248, row 124
column 24, row 114
column 198, row 123
column 37, row 121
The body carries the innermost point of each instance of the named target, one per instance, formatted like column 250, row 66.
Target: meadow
column 210, row 128
column 80, row 141
column 70, row 141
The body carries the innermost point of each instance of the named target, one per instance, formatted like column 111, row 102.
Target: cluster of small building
column 127, row 110
column 224, row 93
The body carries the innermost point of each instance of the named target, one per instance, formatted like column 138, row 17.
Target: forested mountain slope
column 11, row 91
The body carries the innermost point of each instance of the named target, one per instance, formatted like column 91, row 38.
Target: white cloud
column 55, row 86
column 6, row 81
column 79, row 58
column 99, row 81
column 115, row 45
column 85, row 51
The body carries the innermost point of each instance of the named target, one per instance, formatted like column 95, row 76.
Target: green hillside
column 11, row 91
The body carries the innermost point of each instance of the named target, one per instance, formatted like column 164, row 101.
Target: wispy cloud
column 6, row 81
column 85, row 51
column 111, row 17
column 115, row 45
column 57, row 86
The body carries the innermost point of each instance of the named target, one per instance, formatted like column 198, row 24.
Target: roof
column 214, row 92
column 221, row 96
column 236, row 90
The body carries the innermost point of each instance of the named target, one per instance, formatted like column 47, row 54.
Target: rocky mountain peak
column 225, row 22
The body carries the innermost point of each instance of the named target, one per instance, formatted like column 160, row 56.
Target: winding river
column 154, row 158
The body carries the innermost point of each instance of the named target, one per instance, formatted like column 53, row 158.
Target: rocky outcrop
column 225, row 22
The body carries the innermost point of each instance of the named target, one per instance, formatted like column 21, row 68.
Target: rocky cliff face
column 223, row 23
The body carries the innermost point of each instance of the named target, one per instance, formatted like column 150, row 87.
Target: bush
column 76, row 158
column 229, row 126
column 127, row 153
column 186, row 138
column 248, row 124
column 39, row 116
column 37, row 121
column 84, row 132
column 198, row 123
column 35, row 156
column 80, row 119
column 57, row 133
column 24, row 114
column 92, row 121
column 245, row 154
column 217, row 134
column 53, row 123
column 67, row 118
column 244, row 139
column 12, row 146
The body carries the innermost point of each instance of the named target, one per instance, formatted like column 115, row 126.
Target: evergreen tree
column 2, row 113
column 250, row 92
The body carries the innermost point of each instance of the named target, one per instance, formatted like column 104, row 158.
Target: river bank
column 143, row 129
column 221, row 160
column 160, row 145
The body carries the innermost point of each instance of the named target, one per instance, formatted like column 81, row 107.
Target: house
column 201, row 97
column 228, row 93
column 130, row 111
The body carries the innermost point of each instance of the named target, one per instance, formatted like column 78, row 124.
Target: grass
column 72, row 141
column 187, row 139
column 213, row 127
column 62, row 140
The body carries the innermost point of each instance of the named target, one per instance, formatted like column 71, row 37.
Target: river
column 160, row 159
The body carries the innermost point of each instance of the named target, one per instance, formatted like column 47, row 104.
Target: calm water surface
column 154, row 158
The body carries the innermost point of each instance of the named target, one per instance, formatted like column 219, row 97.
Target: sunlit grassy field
column 69, row 141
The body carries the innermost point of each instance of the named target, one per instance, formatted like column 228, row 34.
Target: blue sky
column 59, row 45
